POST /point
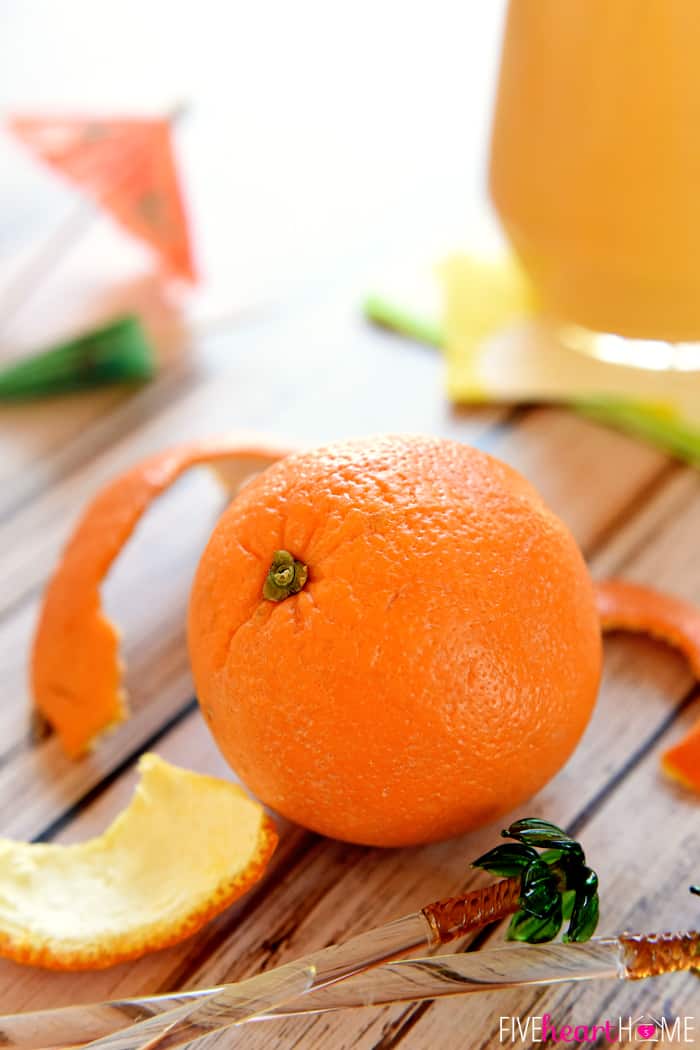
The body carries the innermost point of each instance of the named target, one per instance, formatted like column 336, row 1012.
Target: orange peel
column 76, row 672
column 682, row 761
column 182, row 851
column 625, row 606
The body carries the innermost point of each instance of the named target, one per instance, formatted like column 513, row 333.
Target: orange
column 438, row 662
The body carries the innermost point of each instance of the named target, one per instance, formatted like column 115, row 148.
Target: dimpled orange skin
column 441, row 662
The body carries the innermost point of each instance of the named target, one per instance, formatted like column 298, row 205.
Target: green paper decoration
column 674, row 437
column 118, row 352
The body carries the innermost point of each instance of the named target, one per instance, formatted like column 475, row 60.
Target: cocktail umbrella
column 126, row 166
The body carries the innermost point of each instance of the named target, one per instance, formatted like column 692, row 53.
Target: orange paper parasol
column 128, row 167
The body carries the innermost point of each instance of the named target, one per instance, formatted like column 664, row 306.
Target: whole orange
column 438, row 663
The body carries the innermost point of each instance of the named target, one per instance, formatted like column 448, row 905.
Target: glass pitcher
column 595, row 171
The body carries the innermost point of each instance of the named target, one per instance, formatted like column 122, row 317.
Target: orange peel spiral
column 76, row 672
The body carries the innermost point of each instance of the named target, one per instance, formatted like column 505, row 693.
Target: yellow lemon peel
column 183, row 850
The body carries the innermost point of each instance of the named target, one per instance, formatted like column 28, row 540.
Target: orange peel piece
column 183, row 850
column 682, row 761
column 76, row 672
column 627, row 606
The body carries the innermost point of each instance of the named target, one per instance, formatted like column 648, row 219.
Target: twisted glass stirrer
column 427, row 929
column 627, row 957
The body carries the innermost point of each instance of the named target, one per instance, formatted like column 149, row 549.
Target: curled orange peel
column 682, row 761
column 76, row 672
column 627, row 606
column 183, row 850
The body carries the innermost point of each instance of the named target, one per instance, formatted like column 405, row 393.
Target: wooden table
column 307, row 366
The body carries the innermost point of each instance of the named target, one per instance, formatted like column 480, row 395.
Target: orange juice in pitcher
column 595, row 170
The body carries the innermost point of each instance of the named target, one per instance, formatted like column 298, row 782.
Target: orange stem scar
column 286, row 576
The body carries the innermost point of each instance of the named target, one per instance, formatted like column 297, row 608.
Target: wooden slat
column 30, row 434
column 45, row 441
